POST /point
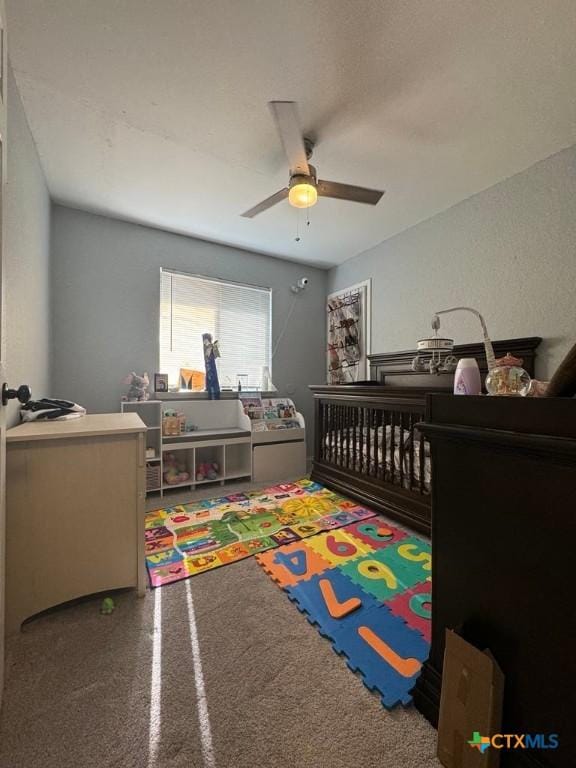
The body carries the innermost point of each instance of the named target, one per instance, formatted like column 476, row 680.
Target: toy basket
column 153, row 477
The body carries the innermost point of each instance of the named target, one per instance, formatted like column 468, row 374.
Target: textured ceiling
column 156, row 111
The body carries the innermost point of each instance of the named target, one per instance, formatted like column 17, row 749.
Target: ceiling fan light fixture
column 303, row 193
column 304, row 187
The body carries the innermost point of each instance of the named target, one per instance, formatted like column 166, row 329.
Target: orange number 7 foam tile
column 292, row 563
column 338, row 546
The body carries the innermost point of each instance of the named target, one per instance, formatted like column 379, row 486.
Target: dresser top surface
column 91, row 425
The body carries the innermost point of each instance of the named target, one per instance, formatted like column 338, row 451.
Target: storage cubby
column 185, row 462
column 238, row 460
column 210, row 454
column 154, row 441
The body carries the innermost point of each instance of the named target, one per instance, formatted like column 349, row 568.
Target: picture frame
column 160, row 382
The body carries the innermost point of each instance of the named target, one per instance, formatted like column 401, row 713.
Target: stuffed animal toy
column 138, row 386
column 207, row 471
column 174, row 471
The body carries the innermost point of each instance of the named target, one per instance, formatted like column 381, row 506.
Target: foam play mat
column 367, row 588
column 188, row 539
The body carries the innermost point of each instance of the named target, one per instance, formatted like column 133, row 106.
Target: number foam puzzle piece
column 415, row 607
column 292, row 563
column 377, row 533
column 374, row 576
column 309, row 599
column 338, row 546
column 385, row 652
column 410, row 559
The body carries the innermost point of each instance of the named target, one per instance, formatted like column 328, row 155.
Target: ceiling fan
column 304, row 187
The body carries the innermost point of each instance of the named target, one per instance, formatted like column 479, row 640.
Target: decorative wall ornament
column 348, row 336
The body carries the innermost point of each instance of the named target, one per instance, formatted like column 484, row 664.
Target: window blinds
column 238, row 316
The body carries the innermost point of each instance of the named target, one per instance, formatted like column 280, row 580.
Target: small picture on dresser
column 160, row 382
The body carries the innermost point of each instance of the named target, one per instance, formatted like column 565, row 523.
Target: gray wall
column 27, row 259
column 509, row 251
column 106, row 303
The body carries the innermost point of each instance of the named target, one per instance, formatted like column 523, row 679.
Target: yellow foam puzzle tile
column 338, row 547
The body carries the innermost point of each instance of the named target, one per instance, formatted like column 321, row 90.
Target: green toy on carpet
column 107, row 607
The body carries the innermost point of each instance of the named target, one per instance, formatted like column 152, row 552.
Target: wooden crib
column 367, row 444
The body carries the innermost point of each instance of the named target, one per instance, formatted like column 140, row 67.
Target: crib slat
column 411, row 454
column 322, row 428
column 421, row 467
column 328, row 432
column 336, row 435
column 343, row 434
column 392, row 465
column 340, row 435
column 354, row 421
column 368, row 440
column 361, row 441
column 332, row 431
column 338, row 440
column 350, row 435
column 384, row 443
column 377, row 414
column 401, row 449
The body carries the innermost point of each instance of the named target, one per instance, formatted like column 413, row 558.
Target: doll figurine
column 211, row 352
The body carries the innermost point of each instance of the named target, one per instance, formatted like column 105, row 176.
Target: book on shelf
column 252, row 405
column 269, row 413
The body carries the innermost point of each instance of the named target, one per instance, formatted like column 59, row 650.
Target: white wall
column 105, row 280
column 27, row 257
column 509, row 251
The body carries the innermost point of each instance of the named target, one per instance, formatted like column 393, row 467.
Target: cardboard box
column 470, row 702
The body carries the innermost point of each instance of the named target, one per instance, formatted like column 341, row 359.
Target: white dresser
column 74, row 511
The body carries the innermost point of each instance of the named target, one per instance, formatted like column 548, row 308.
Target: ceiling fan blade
column 349, row 192
column 265, row 204
column 285, row 114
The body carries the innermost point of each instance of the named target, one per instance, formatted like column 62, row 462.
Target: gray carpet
column 78, row 688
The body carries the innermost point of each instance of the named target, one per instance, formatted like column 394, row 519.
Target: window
column 238, row 316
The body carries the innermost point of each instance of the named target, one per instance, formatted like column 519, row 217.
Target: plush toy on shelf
column 174, row 470
column 138, row 387
column 208, row 470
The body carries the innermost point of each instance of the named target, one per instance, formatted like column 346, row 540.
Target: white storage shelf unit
column 222, row 436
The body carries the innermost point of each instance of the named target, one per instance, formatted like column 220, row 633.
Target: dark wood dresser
column 504, row 556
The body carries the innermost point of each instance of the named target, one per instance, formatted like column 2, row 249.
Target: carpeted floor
column 78, row 689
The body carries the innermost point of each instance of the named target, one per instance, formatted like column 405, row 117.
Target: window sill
column 224, row 395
